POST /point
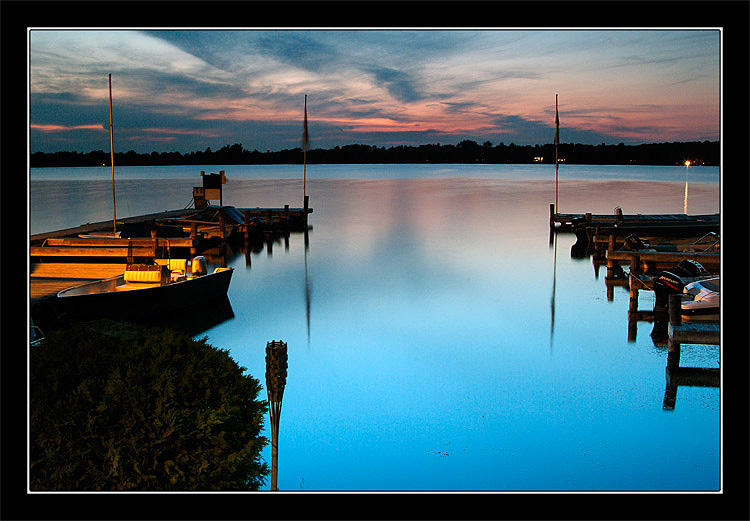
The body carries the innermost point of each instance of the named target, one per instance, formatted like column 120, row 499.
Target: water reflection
column 307, row 287
column 552, row 303
column 687, row 167
column 196, row 319
column 435, row 322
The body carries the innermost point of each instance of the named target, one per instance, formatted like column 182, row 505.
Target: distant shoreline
column 698, row 153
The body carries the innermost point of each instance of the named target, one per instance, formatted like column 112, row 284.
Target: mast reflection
column 307, row 287
column 552, row 303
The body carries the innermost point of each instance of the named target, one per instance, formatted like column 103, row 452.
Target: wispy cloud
column 64, row 128
column 209, row 88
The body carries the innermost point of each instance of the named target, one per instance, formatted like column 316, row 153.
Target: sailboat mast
column 557, row 141
column 112, row 161
column 304, row 154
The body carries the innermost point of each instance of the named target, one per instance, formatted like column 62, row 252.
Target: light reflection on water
column 428, row 358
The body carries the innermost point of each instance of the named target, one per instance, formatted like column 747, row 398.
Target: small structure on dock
column 211, row 189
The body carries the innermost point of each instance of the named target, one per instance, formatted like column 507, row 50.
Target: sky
column 188, row 90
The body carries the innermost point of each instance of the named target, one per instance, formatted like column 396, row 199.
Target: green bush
column 120, row 407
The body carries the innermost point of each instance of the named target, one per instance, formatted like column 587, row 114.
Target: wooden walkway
column 605, row 221
column 662, row 259
column 46, row 279
column 105, row 226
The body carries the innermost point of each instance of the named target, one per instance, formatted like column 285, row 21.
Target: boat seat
column 142, row 276
column 144, row 273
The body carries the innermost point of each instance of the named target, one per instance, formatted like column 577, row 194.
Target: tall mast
column 304, row 154
column 112, row 161
column 557, row 142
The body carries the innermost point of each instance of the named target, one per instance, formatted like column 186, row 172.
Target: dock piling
column 552, row 215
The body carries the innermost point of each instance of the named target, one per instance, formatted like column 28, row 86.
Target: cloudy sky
column 188, row 90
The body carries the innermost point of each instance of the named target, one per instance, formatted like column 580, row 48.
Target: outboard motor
column 198, row 266
column 669, row 282
column 690, row 268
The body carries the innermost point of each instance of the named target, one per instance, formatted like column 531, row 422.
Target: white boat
column 702, row 296
column 146, row 291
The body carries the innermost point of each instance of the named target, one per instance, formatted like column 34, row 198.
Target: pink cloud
column 64, row 128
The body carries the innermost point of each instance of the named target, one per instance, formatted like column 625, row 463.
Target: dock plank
column 46, row 279
column 103, row 251
column 107, row 225
column 145, row 242
column 669, row 257
column 695, row 333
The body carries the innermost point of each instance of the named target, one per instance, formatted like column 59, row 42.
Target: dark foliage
column 698, row 152
column 124, row 407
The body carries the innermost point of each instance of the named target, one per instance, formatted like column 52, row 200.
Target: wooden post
column 597, row 245
column 222, row 226
column 552, row 215
column 221, row 187
column 635, row 264
column 193, row 237
column 306, row 206
column 633, row 307
column 673, row 353
column 675, row 319
column 246, row 220
column 633, row 298
column 675, row 309
column 154, row 242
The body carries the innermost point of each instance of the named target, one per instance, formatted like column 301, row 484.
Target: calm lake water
column 437, row 338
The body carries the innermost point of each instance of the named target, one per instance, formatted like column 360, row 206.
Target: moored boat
column 146, row 290
column 702, row 297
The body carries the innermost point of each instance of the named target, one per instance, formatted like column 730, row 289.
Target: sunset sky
column 176, row 90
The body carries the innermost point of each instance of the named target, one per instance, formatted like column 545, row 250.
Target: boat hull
column 100, row 300
column 702, row 297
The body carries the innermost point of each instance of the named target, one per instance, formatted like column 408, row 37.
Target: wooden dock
column 707, row 243
column 618, row 220
column 109, row 247
column 643, row 261
column 71, row 256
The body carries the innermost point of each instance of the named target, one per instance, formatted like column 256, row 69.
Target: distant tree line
column 697, row 152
